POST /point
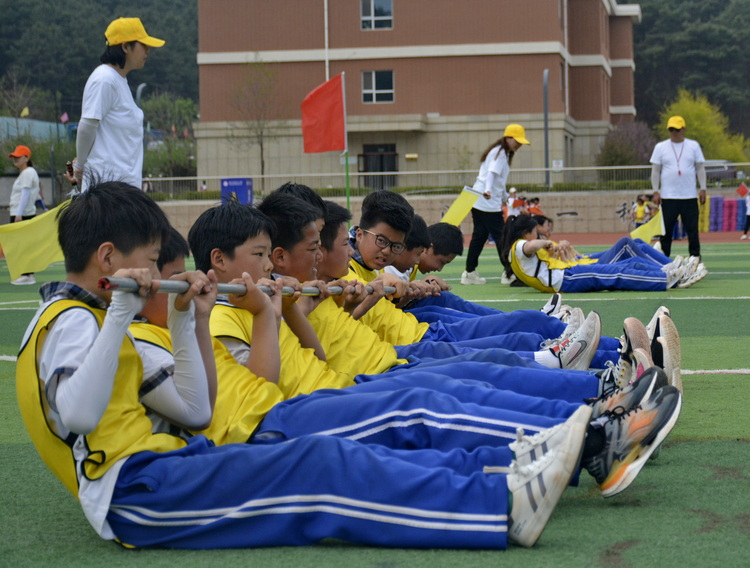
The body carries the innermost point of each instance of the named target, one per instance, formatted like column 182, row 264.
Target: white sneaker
column 472, row 278
column 657, row 246
column 697, row 275
column 666, row 351
column 24, row 280
column 652, row 325
column 577, row 351
column 675, row 275
column 743, row 237
column 538, row 486
column 553, row 305
column 527, row 449
column 574, row 321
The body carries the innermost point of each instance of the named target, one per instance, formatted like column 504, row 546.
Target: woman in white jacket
column 487, row 213
column 23, row 196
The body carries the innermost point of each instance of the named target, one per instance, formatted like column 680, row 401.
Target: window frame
column 374, row 91
column 372, row 19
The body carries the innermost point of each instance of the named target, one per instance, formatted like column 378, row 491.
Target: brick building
column 429, row 83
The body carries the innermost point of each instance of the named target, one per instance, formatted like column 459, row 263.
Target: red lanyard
column 676, row 157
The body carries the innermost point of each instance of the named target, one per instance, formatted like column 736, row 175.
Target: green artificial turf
column 690, row 507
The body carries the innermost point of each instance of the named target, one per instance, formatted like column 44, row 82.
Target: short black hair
column 174, row 246
column 225, row 227
column 291, row 215
column 418, row 236
column 387, row 207
column 446, row 239
column 304, row 193
column 541, row 219
column 336, row 215
column 115, row 54
column 110, row 211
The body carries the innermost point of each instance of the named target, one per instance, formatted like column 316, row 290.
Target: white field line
column 601, row 299
column 12, row 358
column 19, row 302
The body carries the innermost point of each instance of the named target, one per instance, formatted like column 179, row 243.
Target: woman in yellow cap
column 23, row 196
column 109, row 142
column 487, row 213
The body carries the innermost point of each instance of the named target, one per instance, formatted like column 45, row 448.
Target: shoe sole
column 670, row 339
column 644, row 454
column 637, row 335
column 653, row 325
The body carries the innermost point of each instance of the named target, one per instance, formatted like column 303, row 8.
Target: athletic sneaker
column 627, row 370
column 505, row 279
column 666, row 351
column 635, row 336
column 527, row 449
column 553, row 304
column 472, row 278
column 574, row 321
column 743, row 237
column 577, row 351
column 698, row 274
column 650, row 380
column 24, row 280
column 537, row 487
column 657, row 246
column 674, row 275
column 653, row 325
column 631, row 437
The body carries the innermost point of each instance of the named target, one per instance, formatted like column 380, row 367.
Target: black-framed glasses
column 384, row 243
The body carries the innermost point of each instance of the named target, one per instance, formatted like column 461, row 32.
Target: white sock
column 548, row 359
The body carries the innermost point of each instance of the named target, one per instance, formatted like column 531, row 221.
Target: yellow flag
column 25, row 112
column 31, row 246
column 460, row 208
column 649, row 230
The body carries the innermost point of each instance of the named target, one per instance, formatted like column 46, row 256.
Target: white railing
column 531, row 180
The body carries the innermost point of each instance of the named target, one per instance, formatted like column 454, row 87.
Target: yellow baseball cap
column 676, row 122
column 516, row 132
column 123, row 30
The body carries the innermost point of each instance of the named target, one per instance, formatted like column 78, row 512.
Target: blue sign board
column 240, row 189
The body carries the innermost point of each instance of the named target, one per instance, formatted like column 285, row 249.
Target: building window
column 376, row 14
column 377, row 87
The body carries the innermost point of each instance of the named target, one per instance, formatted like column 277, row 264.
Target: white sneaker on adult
column 743, row 237
column 24, row 280
column 472, row 278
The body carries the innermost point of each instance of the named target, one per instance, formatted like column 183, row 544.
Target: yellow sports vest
column 242, row 399
column 351, row 347
column 124, row 428
column 543, row 257
column 301, row 371
column 386, row 320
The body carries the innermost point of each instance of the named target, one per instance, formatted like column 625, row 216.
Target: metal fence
column 534, row 180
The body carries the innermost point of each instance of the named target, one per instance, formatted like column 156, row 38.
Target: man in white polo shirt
column 676, row 163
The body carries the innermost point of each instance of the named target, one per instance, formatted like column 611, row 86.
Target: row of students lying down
column 196, row 421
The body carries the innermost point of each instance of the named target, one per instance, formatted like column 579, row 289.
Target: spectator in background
column 533, row 207
column 23, row 196
column 747, row 216
column 676, row 164
column 110, row 132
column 487, row 213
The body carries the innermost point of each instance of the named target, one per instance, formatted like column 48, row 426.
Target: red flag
column 324, row 117
column 742, row 189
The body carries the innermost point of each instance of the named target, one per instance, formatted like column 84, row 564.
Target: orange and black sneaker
column 632, row 435
column 649, row 380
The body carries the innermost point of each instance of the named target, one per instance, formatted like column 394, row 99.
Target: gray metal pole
column 546, row 129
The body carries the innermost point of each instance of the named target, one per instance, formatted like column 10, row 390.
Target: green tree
column 173, row 153
column 707, row 125
column 697, row 45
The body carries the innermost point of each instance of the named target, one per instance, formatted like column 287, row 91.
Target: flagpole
column 346, row 143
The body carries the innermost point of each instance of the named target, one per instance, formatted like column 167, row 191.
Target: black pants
column 747, row 224
column 687, row 209
column 485, row 224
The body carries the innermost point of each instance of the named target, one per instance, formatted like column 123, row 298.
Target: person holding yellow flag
column 23, row 196
column 487, row 214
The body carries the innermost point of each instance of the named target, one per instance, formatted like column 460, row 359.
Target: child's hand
column 202, row 291
column 276, row 294
column 147, row 287
column 308, row 303
column 439, row 282
column 395, row 282
column 353, row 293
column 254, row 301
column 288, row 301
